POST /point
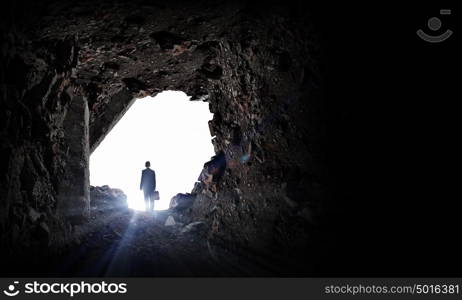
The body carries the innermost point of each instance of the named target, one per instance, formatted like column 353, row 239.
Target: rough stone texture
column 181, row 201
column 257, row 66
column 74, row 189
column 35, row 92
column 106, row 198
column 124, row 243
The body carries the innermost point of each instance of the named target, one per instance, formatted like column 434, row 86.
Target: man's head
column 147, row 164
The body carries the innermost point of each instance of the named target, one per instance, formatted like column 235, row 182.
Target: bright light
column 168, row 130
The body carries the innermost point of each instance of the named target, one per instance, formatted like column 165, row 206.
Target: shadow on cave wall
column 259, row 69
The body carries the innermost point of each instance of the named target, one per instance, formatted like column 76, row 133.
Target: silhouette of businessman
column 148, row 185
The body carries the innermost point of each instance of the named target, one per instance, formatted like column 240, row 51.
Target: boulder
column 214, row 169
column 104, row 197
column 170, row 221
column 194, row 227
column 33, row 215
column 182, row 201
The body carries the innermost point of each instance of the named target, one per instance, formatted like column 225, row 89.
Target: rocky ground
column 118, row 241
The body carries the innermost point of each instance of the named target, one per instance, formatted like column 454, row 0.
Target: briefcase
column 156, row 195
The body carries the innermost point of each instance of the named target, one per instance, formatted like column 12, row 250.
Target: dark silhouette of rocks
column 181, row 201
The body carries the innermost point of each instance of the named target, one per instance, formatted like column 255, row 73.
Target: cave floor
column 129, row 243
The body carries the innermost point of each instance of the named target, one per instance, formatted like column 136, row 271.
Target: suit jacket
column 148, row 180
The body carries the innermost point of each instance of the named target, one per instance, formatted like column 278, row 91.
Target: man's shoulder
column 148, row 171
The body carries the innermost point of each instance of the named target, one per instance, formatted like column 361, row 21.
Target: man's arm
column 142, row 179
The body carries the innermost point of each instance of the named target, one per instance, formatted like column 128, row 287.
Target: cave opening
column 168, row 130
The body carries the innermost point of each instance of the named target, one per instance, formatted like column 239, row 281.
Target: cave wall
column 257, row 66
column 268, row 122
column 74, row 188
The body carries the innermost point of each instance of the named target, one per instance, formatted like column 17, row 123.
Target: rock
column 134, row 85
column 291, row 203
column 170, row 221
column 103, row 197
column 182, row 201
column 213, row 169
column 194, row 227
column 179, row 49
column 33, row 215
column 211, row 71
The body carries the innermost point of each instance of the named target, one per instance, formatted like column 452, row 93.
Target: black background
column 392, row 103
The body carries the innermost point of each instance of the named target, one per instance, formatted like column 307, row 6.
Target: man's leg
column 151, row 200
column 146, row 200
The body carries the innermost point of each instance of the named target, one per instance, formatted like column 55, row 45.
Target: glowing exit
column 168, row 130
